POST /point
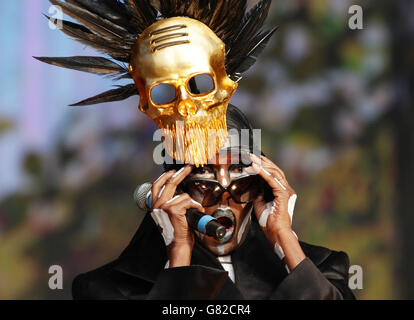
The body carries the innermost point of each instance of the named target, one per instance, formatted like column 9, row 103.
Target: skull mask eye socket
column 163, row 93
column 201, row 84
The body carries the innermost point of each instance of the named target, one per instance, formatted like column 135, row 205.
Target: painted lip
column 228, row 220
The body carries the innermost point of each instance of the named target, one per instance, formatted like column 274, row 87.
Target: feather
column 156, row 4
column 92, row 21
column 145, row 13
column 248, row 58
column 169, row 8
column 222, row 16
column 113, row 26
column 121, row 93
column 227, row 17
column 112, row 10
column 116, row 49
column 96, row 65
column 250, row 24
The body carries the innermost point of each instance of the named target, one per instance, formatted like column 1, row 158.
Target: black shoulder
column 99, row 284
column 332, row 263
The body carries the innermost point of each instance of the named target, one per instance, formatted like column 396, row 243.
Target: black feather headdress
column 113, row 27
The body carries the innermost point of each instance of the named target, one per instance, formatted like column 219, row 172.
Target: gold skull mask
column 168, row 59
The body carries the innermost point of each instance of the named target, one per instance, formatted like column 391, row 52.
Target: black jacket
column 139, row 273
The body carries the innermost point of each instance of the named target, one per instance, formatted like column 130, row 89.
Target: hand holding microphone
column 170, row 214
column 195, row 217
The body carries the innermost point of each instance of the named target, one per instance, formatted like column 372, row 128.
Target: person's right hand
column 169, row 211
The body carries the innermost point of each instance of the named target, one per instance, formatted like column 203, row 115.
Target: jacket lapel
column 145, row 257
column 257, row 268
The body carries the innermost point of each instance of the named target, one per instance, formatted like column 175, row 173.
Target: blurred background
column 334, row 106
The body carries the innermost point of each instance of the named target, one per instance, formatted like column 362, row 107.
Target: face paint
column 241, row 234
column 221, row 250
column 178, row 172
column 265, row 214
column 169, row 57
column 236, row 217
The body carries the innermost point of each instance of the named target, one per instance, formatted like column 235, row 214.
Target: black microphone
column 205, row 224
column 197, row 220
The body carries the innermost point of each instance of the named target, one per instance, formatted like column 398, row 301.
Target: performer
column 185, row 58
column 260, row 256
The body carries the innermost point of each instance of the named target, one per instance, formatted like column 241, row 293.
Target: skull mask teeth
column 168, row 59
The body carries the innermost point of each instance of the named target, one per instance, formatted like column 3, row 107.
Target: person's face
column 236, row 217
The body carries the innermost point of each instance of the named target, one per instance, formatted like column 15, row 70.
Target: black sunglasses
column 208, row 192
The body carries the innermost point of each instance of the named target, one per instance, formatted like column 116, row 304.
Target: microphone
column 142, row 196
column 205, row 224
column 197, row 220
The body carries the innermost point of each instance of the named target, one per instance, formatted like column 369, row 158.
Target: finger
column 190, row 203
column 171, row 184
column 180, row 199
column 268, row 165
column 273, row 182
column 250, row 170
column 158, row 185
column 271, row 163
column 255, row 159
column 270, row 169
column 279, row 176
column 273, row 170
column 178, row 206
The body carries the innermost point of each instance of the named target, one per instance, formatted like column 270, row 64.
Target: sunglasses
column 208, row 192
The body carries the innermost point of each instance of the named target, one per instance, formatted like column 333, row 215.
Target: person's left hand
column 276, row 216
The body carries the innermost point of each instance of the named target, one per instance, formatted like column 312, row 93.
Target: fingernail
column 160, row 177
column 253, row 157
column 172, row 199
column 178, row 172
column 256, row 167
column 162, row 189
column 250, row 169
column 196, row 203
